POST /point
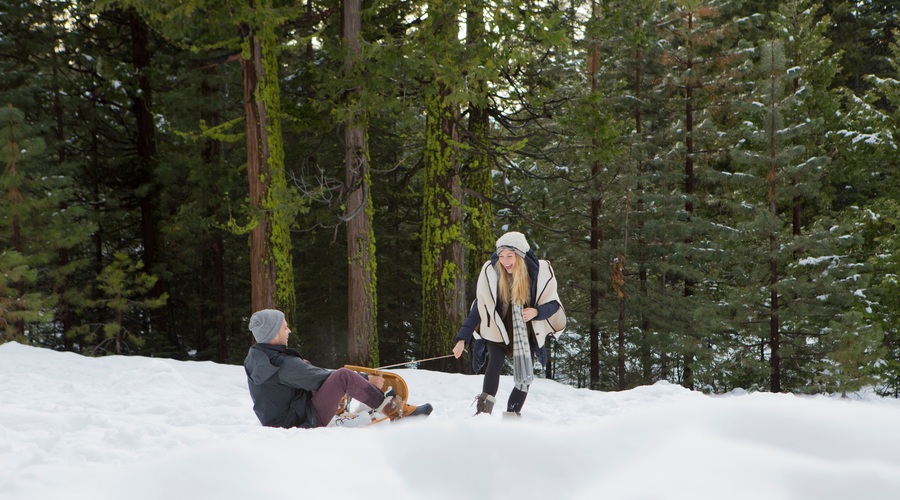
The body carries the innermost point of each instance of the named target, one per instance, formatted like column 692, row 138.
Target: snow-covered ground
column 137, row 428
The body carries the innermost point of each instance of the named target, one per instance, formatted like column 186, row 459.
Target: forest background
column 715, row 183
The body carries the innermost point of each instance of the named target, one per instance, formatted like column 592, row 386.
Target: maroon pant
column 343, row 381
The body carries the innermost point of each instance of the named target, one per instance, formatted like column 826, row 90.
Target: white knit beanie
column 514, row 241
column 265, row 325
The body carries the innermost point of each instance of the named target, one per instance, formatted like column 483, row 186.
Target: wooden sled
column 391, row 380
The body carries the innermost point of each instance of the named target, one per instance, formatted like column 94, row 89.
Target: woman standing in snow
column 516, row 307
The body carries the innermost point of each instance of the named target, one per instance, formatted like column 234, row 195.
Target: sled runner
column 394, row 382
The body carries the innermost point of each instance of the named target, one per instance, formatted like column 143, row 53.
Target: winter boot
column 511, row 415
column 415, row 411
column 484, row 403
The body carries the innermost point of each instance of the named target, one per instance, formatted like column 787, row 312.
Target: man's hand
column 377, row 381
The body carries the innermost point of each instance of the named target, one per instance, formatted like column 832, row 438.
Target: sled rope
column 414, row 361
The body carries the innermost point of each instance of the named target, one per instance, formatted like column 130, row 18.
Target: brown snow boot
column 484, row 403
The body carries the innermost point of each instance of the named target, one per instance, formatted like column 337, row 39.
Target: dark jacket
column 281, row 385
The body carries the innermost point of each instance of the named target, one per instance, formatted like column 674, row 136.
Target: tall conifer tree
column 630, row 60
column 23, row 200
column 695, row 90
column 442, row 245
column 362, row 341
column 478, row 170
column 797, row 335
column 272, row 204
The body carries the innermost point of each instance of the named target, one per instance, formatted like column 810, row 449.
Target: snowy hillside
column 135, row 428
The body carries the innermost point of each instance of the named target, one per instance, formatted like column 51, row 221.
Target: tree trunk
column 219, row 323
column 689, row 183
column 596, row 291
column 146, row 151
column 362, row 336
column 796, row 227
column 774, row 328
column 443, row 266
column 480, row 227
column 646, row 349
column 63, row 311
column 620, row 364
column 213, row 317
column 14, row 196
column 271, row 265
column 262, row 266
column 442, row 250
column 481, row 218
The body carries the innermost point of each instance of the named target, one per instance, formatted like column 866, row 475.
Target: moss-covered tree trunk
column 480, row 227
column 442, row 248
column 262, row 266
column 362, row 339
column 477, row 176
column 271, row 268
column 443, row 265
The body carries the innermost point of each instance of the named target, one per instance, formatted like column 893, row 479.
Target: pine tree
column 813, row 326
column 45, row 227
column 695, row 89
column 37, row 77
column 878, row 247
column 638, row 67
column 272, row 203
column 768, row 150
column 205, row 284
column 122, row 284
column 862, row 33
column 599, row 206
column 870, row 138
column 19, row 302
column 17, row 306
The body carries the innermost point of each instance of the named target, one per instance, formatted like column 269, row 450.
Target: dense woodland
column 715, row 182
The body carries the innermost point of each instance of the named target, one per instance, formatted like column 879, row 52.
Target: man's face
column 282, row 337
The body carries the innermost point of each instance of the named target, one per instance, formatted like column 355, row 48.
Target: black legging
column 496, row 356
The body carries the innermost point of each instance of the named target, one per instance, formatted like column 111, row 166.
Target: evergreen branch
column 514, row 207
column 214, row 62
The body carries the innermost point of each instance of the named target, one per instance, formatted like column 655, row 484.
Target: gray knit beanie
column 514, row 241
column 265, row 324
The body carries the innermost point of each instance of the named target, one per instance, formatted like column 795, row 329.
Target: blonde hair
column 521, row 289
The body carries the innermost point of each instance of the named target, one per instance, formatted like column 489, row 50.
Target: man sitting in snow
column 288, row 391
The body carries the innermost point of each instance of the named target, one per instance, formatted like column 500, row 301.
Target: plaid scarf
column 523, row 369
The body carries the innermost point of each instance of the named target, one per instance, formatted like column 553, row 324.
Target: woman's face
column 507, row 260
